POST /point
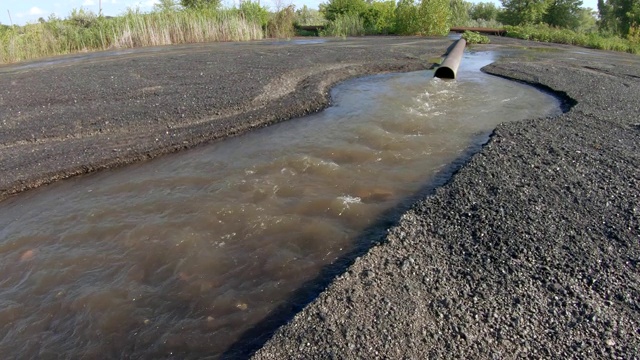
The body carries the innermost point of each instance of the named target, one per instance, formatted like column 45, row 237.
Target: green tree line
column 615, row 25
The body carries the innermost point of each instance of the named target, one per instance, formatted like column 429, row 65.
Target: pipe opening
column 444, row 72
column 450, row 64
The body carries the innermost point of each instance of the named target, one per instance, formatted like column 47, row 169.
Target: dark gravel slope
column 77, row 114
column 531, row 251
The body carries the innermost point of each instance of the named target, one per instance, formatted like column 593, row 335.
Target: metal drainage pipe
column 449, row 67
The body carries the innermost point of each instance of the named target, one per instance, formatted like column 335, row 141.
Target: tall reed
column 133, row 29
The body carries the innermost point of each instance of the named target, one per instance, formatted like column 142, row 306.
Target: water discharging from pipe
column 180, row 255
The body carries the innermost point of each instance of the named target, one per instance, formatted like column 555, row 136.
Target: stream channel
column 183, row 254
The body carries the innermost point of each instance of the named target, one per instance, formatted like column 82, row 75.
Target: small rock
column 610, row 342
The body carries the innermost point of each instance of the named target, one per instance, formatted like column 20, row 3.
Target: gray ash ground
column 78, row 114
column 531, row 250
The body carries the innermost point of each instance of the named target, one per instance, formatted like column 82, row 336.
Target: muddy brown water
column 181, row 255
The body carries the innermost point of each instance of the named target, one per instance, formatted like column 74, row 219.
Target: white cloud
column 88, row 3
column 35, row 11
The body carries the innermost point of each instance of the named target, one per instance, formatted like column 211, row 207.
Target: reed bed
column 83, row 32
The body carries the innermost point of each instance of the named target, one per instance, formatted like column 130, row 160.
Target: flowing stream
column 181, row 255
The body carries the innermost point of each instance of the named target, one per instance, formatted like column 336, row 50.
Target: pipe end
column 444, row 72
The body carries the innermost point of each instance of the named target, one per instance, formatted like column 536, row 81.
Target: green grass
column 84, row 32
column 544, row 33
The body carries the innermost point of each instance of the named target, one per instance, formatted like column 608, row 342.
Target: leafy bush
column 473, row 37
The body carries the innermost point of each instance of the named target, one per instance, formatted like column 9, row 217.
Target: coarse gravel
column 532, row 250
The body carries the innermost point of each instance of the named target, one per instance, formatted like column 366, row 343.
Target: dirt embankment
column 531, row 251
column 78, row 114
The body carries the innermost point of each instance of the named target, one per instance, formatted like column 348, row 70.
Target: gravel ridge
column 532, row 250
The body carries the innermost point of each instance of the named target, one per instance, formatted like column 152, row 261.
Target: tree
column 254, row 13
column 434, row 17
column 563, row 13
column 407, row 17
column 484, row 11
column 587, row 20
column 517, row 12
column 306, row 16
column 380, row 17
column 343, row 7
column 460, row 12
column 428, row 17
column 199, row 4
column 619, row 16
column 165, row 5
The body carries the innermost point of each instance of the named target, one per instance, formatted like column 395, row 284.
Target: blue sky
column 29, row 11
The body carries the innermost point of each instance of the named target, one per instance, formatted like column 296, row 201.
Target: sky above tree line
column 22, row 12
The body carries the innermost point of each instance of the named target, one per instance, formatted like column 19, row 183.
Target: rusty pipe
column 449, row 67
